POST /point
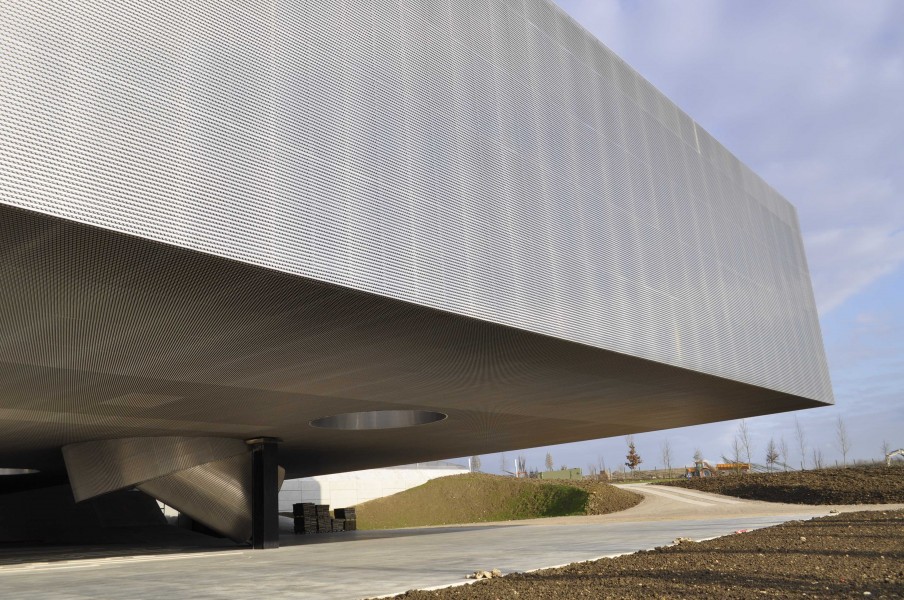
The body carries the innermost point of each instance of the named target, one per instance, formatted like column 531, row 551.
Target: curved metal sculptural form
column 206, row 478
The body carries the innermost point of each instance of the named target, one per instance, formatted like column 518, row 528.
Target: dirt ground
column 873, row 484
column 840, row 556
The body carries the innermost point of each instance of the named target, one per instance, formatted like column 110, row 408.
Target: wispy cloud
column 847, row 260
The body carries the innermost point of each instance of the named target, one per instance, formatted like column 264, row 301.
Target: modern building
column 369, row 233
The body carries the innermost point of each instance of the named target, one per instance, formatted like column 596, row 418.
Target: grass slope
column 872, row 484
column 476, row 498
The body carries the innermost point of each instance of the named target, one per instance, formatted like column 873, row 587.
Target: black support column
column 264, row 493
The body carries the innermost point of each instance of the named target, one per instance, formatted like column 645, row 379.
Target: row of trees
column 776, row 455
column 521, row 470
column 520, row 464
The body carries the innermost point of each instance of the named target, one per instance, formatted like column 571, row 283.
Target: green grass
column 475, row 498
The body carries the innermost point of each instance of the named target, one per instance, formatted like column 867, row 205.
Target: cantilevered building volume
column 224, row 221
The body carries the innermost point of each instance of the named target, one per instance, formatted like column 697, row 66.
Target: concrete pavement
column 373, row 563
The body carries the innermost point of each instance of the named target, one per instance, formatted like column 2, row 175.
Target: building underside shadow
column 44, row 524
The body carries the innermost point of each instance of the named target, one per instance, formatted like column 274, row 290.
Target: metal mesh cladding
column 217, row 494
column 103, row 466
column 488, row 158
column 208, row 479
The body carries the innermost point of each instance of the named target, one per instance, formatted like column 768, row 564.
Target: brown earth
column 841, row 556
column 480, row 498
column 873, row 484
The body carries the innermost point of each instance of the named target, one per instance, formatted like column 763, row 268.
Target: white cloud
column 845, row 261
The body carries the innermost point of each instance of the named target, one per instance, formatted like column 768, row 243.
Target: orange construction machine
column 704, row 468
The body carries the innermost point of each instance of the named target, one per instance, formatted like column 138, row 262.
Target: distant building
column 574, row 473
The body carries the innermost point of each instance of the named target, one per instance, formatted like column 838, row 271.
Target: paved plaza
column 374, row 563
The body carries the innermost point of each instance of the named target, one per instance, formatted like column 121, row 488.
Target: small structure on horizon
column 574, row 473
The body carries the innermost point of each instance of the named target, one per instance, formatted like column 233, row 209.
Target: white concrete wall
column 350, row 489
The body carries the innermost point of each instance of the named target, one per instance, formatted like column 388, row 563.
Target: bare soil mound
column 872, row 484
column 842, row 556
column 479, row 498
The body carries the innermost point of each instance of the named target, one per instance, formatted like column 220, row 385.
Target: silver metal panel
column 217, row 494
column 103, row 466
column 486, row 158
column 96, row 327
column 208, row 479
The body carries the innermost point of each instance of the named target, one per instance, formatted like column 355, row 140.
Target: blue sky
column 810, row 95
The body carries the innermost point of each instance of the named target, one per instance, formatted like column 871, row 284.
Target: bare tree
column 772, row 454
column 549, row 463
column 801, row 442
column 474, row 463
column 601, row 467
column 886, row 448
column 667, row 455
column 592, row 471
column 632, row 458
column 744, row 438
column 698, row 455
column 521, row 466
column 783, row 452
column 844, row 442
column 503, row 463
column 817, row 458
column 737, row 448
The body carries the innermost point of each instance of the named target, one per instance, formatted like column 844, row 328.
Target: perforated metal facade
column 488, row 158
